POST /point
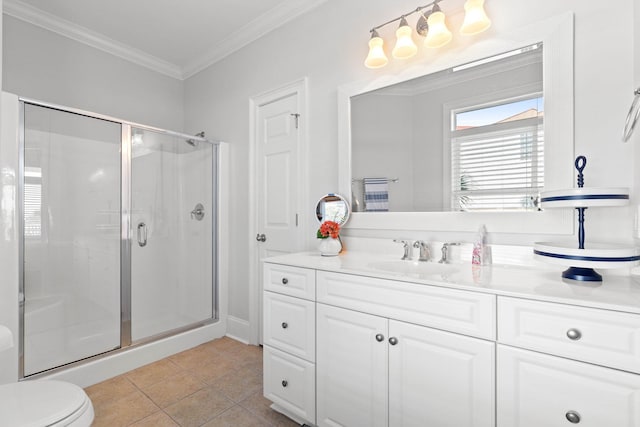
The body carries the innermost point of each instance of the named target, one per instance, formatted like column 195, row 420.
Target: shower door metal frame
column 126, row 342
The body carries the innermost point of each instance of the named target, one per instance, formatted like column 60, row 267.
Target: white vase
column 330, row 246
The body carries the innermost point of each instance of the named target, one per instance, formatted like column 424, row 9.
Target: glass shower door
column 71, row 237
column 172, row 187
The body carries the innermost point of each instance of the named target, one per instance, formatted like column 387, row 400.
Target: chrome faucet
column 407, row 249
column 425, row 253
column 445, row 252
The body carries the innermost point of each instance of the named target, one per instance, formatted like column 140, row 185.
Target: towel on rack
column 376, row 194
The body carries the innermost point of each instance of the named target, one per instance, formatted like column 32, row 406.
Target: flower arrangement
column 328, row 229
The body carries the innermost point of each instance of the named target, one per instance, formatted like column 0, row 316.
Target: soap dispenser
column 481, row 254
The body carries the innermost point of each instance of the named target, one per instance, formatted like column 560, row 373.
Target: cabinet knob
column 379, row 337
column 574, row 334
column 573, row 417
column 393, row 340
column 285, row 383
column 285, row 280
column 285, row 325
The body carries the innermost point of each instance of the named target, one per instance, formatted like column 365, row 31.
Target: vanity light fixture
column 432, row 26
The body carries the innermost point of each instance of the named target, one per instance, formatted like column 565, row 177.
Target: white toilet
column 42, row 403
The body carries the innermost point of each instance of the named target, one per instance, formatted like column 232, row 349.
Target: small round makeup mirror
column 333, row 207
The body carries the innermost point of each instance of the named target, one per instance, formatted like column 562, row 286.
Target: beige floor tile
column 248, row 355
column 194, row 358
column 258, row 405
column 173, row 388
column 237, row 416
column 199, row 407
column 219, row 366
column 107, row 391
column 125, row 411
column 152, row 373
column 226, row 345
column 159, row 419
column 240, row 384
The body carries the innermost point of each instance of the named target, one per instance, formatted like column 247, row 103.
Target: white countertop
column 615, row 292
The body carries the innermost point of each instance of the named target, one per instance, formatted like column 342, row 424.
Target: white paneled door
column 279, row 182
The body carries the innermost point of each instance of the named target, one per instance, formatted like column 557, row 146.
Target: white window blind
column 32, row 202
column 498, row 166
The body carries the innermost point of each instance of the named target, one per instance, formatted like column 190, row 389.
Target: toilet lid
column 38, row 403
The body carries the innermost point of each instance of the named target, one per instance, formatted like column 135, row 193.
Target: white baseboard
column 238, row 329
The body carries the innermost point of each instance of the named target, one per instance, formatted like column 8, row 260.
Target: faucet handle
column 445, row 251
column 407, row 248
column 425, row 253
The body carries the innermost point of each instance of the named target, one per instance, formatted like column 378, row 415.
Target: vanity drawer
column 593, row 335
column 294, row 281
column 290, row 383
column 469, row 313
column 535, row 390
column 290, row 325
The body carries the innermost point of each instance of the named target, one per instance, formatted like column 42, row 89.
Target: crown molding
column 252, row 31
column 40, row 18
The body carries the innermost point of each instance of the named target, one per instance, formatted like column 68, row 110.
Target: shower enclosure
column 119, row 235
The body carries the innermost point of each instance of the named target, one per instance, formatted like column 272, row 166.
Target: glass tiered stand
column 582, row 259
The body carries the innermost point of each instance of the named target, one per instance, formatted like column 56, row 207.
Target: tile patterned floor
column 217, row 384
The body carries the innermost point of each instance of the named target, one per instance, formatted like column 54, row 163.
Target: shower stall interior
column 118, row 235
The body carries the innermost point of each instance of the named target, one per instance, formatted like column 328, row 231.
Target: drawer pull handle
column 393, row 340
column 379, row 337
column 285, row 325
column 573, row 417
column 285, row 280
column 286, row 383
column 574, row 334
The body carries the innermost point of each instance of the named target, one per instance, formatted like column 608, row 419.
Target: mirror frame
column 556, row 34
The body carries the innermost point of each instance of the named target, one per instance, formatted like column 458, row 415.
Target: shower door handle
column 142, row 234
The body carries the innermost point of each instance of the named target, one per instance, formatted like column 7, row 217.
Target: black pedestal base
column 581, row 274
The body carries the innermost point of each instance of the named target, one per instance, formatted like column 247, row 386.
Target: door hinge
column 296, row 220
column 297, row 118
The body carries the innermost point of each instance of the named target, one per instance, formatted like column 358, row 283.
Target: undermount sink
column 414, row 267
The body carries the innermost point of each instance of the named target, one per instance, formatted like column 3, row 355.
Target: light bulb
column 405, row 47
column 376, row 57
column 475, row 18
column 438, row 34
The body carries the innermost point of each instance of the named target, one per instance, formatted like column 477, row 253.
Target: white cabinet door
column 537, row 390
column 351, row 366
column 439, row 379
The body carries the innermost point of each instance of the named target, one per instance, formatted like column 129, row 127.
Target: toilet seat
column 44, row 403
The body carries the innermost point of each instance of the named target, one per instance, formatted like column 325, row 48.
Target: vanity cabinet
column 377, row 370
column 289, row 340
column 535, row 387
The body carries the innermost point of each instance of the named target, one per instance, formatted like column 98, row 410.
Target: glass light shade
column 438, row 34
column 475, row 18
column 405, row 47
column 376, row 57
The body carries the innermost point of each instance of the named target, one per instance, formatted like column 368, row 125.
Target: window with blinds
column 32, row 202
column 497, row 156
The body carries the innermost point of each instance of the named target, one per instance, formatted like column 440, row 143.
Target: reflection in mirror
column 469, row 138
column 333, row 207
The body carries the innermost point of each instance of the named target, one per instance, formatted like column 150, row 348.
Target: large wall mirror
column 471, row 138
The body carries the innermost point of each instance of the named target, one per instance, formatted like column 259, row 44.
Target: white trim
column 299, row 87
column 48, row 21
column 238, row 329
column 252, row 31
column 556, row 35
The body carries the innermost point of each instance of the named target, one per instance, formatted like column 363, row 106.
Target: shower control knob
column 285, row 325
column 285, row 383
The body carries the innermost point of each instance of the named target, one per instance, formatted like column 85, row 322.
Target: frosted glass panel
column 71, row 237
column 172, row 251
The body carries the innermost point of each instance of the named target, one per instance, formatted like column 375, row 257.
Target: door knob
column 261, row 238
column 379, row 337
column 393, row 340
